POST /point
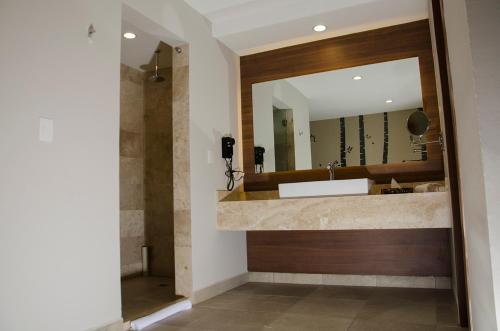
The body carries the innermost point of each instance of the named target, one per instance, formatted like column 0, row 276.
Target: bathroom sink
column 326, row 188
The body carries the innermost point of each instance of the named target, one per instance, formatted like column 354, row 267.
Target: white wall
column 296, row 101
column 213, row 89
column 472, row 31
column 59, row 202
column 281, row 94
column 263, row 125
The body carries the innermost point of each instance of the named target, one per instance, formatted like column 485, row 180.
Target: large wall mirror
column 345, row 100
column 352, row 117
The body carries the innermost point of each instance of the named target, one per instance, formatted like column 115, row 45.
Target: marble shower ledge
column 264, row 211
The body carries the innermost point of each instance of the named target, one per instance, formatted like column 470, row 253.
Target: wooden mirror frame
column 369, row 47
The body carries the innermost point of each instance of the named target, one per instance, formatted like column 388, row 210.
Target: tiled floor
column 142, row 296
column 278, row 307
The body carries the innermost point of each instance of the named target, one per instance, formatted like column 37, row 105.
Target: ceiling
column 335, row 94
column 213, row 6
column 138, row 53
column 252, row 26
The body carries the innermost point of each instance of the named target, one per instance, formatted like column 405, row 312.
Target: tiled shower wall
column 146, row 171
column 132, row 153
column 159, row 201
column 181, row 167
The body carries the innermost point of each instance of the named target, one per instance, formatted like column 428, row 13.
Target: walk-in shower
column 156, row 76
column 146, row 178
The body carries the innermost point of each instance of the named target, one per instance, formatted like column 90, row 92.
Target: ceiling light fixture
column 388, row 101
column 129, row 35
column 357, row 78
column 319, row 28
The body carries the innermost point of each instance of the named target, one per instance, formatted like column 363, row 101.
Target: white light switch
column 46, row 133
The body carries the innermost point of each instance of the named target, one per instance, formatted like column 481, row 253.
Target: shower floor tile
column 142, row 296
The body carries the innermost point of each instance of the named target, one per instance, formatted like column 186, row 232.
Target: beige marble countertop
column 252, row 211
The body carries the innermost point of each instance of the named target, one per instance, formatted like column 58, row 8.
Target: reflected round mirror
column 418, row 123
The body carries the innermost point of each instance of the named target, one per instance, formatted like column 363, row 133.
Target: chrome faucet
column 331, row 169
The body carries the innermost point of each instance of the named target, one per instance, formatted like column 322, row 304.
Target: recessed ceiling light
column 319, row 28
column 357, row 77
column 388, row 101
column 129, row 35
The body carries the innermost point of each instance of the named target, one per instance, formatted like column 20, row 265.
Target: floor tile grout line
column 390, row 298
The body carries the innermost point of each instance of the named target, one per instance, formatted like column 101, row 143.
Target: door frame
column 438, row 25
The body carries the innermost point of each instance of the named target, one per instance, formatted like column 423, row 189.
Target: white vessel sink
column 326, row 188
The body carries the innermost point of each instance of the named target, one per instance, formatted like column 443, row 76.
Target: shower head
column 156, row 76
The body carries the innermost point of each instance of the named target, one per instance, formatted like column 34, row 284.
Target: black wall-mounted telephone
column 227, row 147
column 227, row 154
column 259, row 159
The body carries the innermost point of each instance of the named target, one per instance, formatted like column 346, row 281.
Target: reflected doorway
column 284, row 145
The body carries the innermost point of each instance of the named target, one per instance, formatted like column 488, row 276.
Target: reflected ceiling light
column 357, row 78
column 388, row 101
column 319, row 28
column 129, row 35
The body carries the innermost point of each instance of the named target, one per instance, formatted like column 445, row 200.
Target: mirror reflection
column 418, row 123
column 350, row 117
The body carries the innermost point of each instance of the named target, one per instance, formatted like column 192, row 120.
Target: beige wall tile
column 315, row 279
column 161, row 255
column 131, row 144
column 181, row 83
column 261, row 277
column 181, row 175
column 182, row 228
column 158, row 165
column 180, row 59
column 131, row 196
column 132, row 106
column 403, row 281
column 130, row 252
column 350, row 280
column 131, row 223
column 183, row 271
column 129, row 74
column 131, row 170
column 346, row 280
column 131, row 269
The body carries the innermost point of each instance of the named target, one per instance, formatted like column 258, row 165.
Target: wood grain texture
column 404, row 172
column 375, row 46
column 415, row 252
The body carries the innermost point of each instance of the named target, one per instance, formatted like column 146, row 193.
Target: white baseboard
column 219, row 288
column 162, row 314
